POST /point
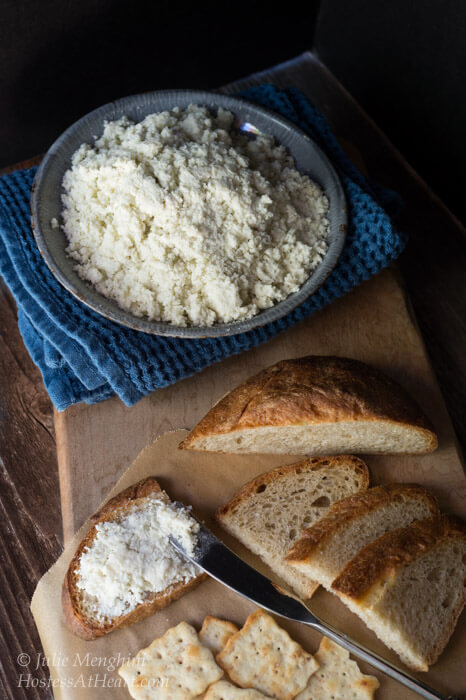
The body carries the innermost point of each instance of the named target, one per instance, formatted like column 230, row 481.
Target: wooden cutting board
column 373, row 323
column 97, row 443
column 204, row 480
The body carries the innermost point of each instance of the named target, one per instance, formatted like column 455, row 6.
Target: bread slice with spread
column 324, row 549
column 315, row 405
column 270, row 512
column 125, row 569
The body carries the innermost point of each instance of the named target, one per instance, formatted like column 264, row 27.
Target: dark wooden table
column 433, row 266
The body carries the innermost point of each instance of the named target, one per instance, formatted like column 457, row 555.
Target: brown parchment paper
column 81, row 669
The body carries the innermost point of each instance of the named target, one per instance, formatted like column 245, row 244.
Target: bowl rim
column 108, row 308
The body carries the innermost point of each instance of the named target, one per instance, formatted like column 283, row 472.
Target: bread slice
column 269, row 513
column 79, row 608
column 409, row 587
column 317, row 406
column 325, row 548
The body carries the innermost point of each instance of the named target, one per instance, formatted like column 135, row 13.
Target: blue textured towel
column 84, row 357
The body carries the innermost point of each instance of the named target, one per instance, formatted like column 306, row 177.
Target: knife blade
column 217, row 560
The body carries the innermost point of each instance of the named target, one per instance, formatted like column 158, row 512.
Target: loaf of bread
column 324, row 549
column 125, row 569
column 317, row 406
column 409, row 587
column 270, row 512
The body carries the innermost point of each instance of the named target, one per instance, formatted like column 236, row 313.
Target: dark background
column 403, row 60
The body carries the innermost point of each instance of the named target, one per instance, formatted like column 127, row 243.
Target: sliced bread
column 270, row 512
column 324, row 549
column 119, row 573
column 316, row 406
column 409, row 587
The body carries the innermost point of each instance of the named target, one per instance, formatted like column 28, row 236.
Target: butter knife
column 217, row 560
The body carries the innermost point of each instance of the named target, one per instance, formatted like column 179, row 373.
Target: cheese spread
column 131, row 557
column 182, row 218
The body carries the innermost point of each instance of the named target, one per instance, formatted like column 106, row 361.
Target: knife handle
column 375, row 660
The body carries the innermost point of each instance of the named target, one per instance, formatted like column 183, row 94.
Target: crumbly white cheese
column 132, row 557
column 181, row 218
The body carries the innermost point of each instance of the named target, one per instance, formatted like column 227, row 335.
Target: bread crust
column 313, row 390
column 381, row 559
column 350, row 508
column 141, row 489
column 310, row 464
column 74, row 618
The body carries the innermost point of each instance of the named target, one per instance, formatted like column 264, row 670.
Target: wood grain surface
column 433, row 269
column 30, row 519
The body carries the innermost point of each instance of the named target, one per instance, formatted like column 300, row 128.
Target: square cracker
column 215, row 633
column 222, row 690
column 175, row 667
column 263, row 656
column 338, row 677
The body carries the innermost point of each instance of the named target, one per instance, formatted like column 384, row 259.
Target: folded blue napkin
column 84, row 357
